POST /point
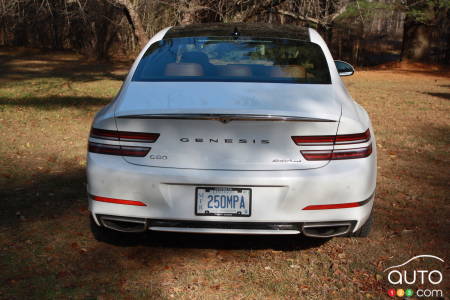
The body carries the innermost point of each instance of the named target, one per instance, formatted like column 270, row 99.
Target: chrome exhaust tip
column 123, row 224
column 326, row 229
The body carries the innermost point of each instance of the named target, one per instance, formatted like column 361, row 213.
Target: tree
column 426, row 32
column 135, row 21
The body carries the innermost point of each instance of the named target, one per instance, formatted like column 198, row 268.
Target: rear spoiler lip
column 226, row 118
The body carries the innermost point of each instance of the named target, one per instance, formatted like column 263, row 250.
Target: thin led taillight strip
column 337, row 154
column 117, row 201
column 353, row 138
column 322, row 140
column 337, row 206
column 104, row 134
column 313, row 140
column 118, row 150
column 352, row 153
column 124, row 135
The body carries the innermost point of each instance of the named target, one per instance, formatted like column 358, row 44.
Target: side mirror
column 344, row 69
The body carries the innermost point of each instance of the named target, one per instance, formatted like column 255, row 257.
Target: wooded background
column 362, row 32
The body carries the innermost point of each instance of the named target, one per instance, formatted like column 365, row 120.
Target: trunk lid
column 227, row 126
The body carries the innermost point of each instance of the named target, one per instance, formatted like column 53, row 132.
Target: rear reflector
column 337, row 153
column 340, row 205
column 332, row 206
column 124, row 135
column 322, row 140
column 117, row 201
column 118, row 150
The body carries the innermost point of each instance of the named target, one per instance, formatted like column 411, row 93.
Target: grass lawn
column 47, row 102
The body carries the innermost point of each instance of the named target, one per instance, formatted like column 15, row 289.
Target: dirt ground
column 47, row 102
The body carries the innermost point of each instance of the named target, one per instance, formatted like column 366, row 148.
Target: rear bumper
column 317, row 229
column 277, row 196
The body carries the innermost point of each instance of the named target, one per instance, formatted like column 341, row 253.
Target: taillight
column 353, row 138
column 124, row 135
column 337, row 153
column 314, row 140
column 118, row 149
column 323, row 140
column 329, row 140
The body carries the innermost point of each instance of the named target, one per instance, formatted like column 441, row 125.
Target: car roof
column 242, row 29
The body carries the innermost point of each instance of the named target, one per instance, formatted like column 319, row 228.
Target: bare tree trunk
column 416, row 41
column 135, row 21
column 188, row 10
column 356, row 51
column 427, row 41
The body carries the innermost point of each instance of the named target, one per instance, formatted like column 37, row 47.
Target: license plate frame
column 222, row 214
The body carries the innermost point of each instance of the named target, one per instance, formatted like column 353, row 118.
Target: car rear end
column 237, row 135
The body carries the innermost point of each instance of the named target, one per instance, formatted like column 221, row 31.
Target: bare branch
column 298, row 17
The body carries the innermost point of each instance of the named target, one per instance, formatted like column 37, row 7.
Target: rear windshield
column 229, row 59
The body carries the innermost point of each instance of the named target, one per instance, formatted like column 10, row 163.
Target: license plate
column 223, row 201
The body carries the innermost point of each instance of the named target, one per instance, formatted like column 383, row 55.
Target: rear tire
column 364, row 231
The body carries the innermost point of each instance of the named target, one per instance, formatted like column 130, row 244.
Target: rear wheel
column 364, row 231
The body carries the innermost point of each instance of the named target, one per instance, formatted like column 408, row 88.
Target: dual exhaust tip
column 123, row 224
column 327, row 229
column 316, row 230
